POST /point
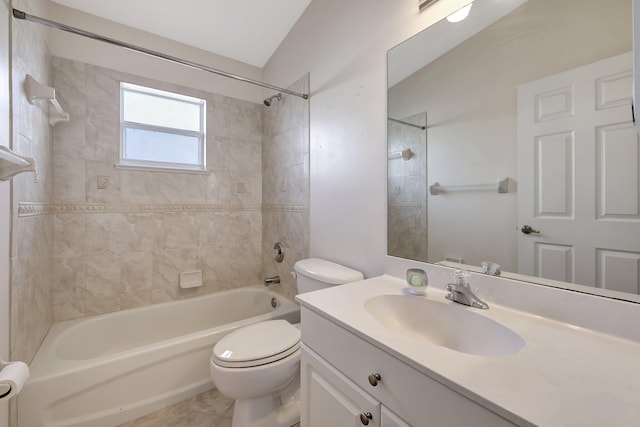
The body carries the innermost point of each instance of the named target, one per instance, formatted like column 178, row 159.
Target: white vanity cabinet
column 333, row 400
column 336, row 389
column 389, row 419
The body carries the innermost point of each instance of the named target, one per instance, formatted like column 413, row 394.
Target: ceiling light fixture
column 460, row 14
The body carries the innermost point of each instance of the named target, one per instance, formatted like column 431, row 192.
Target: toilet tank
column 314, row 274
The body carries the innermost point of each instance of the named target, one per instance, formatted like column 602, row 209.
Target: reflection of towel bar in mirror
column 35, row 90
column 405, row 154
column 501, row 186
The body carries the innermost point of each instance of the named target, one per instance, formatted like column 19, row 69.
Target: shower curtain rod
column 18, row 14
column 407, row 123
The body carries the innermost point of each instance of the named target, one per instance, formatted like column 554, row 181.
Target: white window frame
column 159, row 165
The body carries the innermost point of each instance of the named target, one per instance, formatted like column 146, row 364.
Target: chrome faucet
column 272, row 280
column 460, row 291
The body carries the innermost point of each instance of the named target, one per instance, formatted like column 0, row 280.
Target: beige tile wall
column 285, row 185
column 79, row 250
column 407, row 190
column 31, row 237
column 124, row 246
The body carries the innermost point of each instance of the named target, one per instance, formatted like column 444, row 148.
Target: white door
column 578, row 184
column 5, row 206
column 330, row 399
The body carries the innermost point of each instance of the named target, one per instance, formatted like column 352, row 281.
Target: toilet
column 259, row 365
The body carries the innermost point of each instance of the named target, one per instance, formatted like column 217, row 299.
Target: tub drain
column 274, row 302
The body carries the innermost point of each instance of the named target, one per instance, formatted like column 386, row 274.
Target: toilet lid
column 257, row 344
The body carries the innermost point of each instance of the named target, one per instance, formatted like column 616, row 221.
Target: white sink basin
column 444, row 324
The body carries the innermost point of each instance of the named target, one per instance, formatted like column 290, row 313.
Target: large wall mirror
column 510, row 140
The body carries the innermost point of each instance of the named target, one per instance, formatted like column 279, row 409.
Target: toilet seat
column 257, row 344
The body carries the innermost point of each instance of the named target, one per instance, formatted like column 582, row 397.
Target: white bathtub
column 105, row 370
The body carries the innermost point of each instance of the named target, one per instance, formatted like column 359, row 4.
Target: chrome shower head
column 267, row 101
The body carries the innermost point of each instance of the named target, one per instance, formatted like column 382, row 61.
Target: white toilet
column 259, row 365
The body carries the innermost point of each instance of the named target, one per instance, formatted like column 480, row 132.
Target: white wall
column 343, row 45
column 74, row 47
column 5, row 199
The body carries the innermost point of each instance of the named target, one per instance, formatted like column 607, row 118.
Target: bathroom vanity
column 375, row 355
column 338, row 385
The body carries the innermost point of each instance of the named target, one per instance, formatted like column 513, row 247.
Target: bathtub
column 104, row 370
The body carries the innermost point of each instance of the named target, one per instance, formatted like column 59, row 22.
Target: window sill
column 160, row 169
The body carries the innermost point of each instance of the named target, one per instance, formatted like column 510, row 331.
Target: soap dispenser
column 417, row 280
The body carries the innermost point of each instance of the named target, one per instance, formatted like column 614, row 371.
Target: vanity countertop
column 564, row 376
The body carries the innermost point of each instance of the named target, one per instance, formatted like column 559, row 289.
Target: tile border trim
column 28, row 209
column 418, row 206
column 275, row 207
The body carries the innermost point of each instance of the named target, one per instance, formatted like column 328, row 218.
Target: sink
column 444, row 324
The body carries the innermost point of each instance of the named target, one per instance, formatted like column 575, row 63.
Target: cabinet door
column 330, row 399
column 389, row 419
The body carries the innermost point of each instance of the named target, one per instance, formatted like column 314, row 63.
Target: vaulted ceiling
column 248, row 31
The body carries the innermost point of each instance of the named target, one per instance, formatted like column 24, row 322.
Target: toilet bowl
column 259, row 365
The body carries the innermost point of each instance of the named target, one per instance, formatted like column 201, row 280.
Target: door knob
column 527, row 229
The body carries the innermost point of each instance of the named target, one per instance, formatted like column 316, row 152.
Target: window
column 161, row 129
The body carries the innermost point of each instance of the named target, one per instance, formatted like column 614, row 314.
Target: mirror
column 510, row 140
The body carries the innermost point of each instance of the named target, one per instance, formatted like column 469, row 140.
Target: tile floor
column 208, row 409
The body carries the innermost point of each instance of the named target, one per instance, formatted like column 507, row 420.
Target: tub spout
column 272, row 280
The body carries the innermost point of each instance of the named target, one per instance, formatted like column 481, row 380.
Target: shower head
column 267, row 101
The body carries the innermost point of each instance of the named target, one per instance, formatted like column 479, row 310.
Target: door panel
column 618, row 270
column 554, row 104
column 554, row 261
column 617, row 165
column 579, row 155
column 553, row 178
column 613, row 90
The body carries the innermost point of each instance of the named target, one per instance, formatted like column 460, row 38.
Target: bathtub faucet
column 272, row 280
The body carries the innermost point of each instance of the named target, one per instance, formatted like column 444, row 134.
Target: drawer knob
column 365, row 417
column 374, row 378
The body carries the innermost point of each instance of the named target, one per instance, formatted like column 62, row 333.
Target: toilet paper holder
column 12, row 386
column 5, row 389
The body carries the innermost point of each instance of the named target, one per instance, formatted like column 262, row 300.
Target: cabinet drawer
column 418, row 399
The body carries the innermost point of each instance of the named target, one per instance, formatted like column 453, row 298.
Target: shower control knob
column 278, row 252
column 374, row 378
column 365, row 417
